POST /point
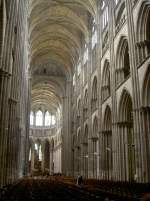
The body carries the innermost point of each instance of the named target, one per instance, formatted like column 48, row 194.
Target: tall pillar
column 51, row 162
column 115, row 134
column 32, row 158
column 5, row 73
column 66, row 162
column 43, row 156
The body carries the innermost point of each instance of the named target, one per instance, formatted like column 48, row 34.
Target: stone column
column 32, row 158
column 51, row 162
column 67, row 130
column 115, row 134
column 43, row 157
column 4, row 91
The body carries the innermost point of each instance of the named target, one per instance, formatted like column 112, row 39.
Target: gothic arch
column 106, row 81
column 32, row 118
column 143, row 21
column 126, row 137
column 107, row 122
column 146, row 113
column 143, row 31
column 122, row 61
column 125, row 107
column 146, row 89
column 39, row 118
column 94, row 94
column 107, row 157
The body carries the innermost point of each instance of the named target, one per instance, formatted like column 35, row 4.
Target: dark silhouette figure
column 79, row 180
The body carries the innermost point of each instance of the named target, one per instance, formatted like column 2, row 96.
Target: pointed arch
column 122, row 61
column 106, row 81
column 107, row 154
column 145, row 111
column 143, row 21
column 94, row 94
column 146, row 89
column 48, row 119
column 107, row 123
column 32, row 118
column 125, row 107
column 39, row 118
column 126, row 134
column 143, row 31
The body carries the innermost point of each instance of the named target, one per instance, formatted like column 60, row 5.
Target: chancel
column 74, row 99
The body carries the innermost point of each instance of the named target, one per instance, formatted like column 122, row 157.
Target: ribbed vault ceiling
column 56, row 28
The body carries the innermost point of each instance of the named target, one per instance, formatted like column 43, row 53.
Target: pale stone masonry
column 87, row 64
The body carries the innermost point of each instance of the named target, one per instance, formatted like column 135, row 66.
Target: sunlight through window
column 39, row 118
column 47, row 119
column 31, row 118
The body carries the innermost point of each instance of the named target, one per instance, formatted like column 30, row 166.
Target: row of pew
column 60, row 187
